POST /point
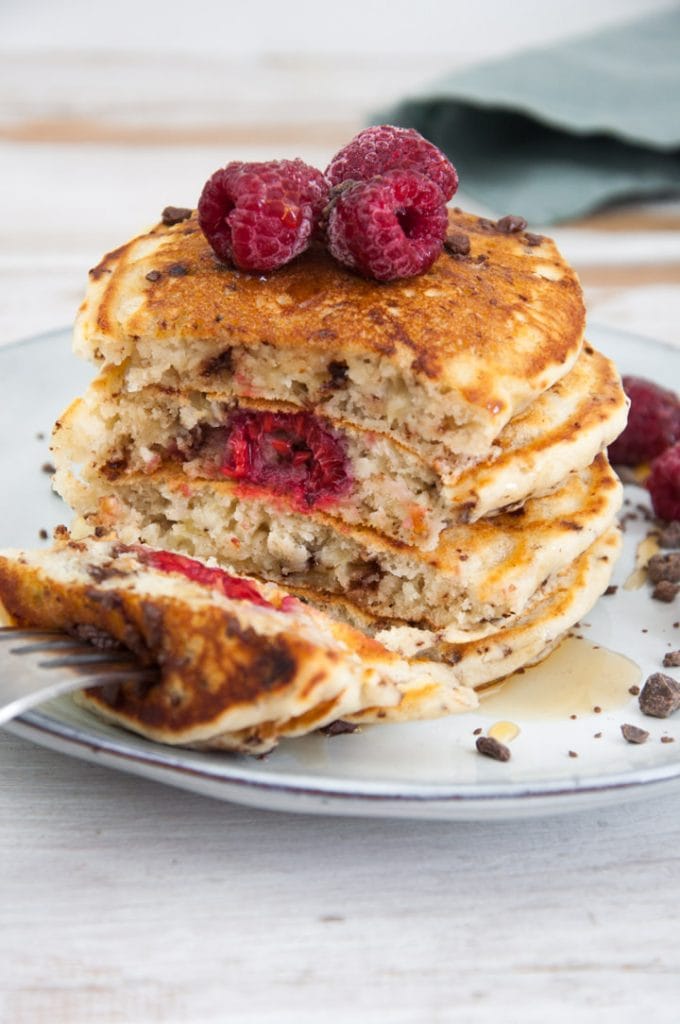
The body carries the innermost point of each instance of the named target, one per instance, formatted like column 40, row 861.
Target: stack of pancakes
column 424, row 459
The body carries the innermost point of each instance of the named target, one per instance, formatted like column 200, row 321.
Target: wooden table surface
column 124, row 901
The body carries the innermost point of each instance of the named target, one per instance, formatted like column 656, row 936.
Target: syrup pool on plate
column 576, row 678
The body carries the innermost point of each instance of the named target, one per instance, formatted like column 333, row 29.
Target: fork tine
column 10, row 633
column 48, row 664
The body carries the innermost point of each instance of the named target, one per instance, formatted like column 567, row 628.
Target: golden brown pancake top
column 497, row 325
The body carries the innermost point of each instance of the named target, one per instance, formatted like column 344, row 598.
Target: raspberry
column 653, row 423
column 376, row 150
column 664, row 484
column 261, row 215
column 389, row 227
column 233, row 587
column 291, row 454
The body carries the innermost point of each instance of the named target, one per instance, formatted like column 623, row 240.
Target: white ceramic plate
column 426, row 770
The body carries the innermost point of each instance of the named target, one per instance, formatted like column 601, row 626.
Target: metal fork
column 39, row 664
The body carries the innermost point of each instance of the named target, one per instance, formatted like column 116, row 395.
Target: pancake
column 481, row 572
column 241, row 663
column 393, row 490
column 549, row 616
column 440, row 362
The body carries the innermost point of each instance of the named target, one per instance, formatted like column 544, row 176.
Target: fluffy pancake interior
column 479, row 572
column 394, row 491
column 415, row 360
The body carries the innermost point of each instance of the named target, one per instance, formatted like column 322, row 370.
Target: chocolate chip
column 632, row 734
column 672, row 659
column 337, row 369
column 491, row 747
column 178, row 270
column 48, row 468
column 367, row 575
column 99, row 638
column 457, row 244
column 338, row 727
column 532, row 239
column 221, row 363
column 611, row 590
column 511, row 224
column 113, row 468
column 153, row 275
column 175, row 215
column 665, row 591
column 660, row 696
column 669, row 536
column 664, row 567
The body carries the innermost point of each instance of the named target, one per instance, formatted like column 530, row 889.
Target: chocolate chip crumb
column 48, row 468
column 669, row 536
column 338, row 370
column 573, row 717
column 43, row 534
column 632, row 734
column 665, row 591
column 611, row 590
column 153, row 275
column 668, row 739
column 491, row 747
column 597, row 735
column 532, row 239
column 671, row 659
column 178, row 270
column 660, row 696
column 40, row 436
column 634, row 690
column 597, row 709
column 664, row 567
column 221, row 363
column 175, row 215
column 338, row 727
column 572, row 753
column 510, row 224
column 99, row 638
column 477, row 732
column 457, row 244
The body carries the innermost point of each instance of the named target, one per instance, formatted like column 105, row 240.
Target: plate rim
column 36, row 724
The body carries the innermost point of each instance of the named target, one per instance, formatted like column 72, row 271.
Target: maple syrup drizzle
column 574, row 680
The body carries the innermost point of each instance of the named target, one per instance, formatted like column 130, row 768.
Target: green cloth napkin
column 554, row 133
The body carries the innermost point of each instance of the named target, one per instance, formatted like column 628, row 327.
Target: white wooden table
column 124, row 901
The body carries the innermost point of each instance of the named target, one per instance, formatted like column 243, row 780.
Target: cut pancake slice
column 440, row 362
column 241, row 663
column 530, row 637
column 482, row 572
column 363, row 478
